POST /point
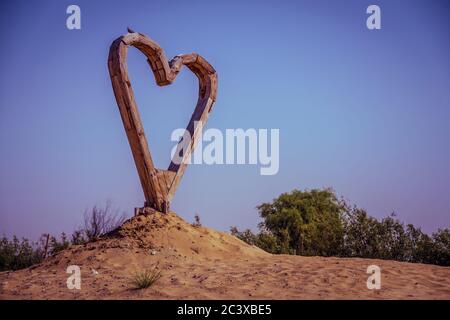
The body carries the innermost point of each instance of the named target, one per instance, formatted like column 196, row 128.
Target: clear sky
column 366, row 112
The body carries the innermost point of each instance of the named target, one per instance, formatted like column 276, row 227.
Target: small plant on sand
column 146, row 278
column 101, row 220
column 197, row 223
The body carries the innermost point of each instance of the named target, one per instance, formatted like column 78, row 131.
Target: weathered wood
column 159, row 186
column 47, row 238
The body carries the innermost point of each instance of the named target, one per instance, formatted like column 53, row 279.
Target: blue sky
column 363, row 111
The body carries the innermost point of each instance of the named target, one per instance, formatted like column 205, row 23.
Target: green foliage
column 57, row 245
column 263, row 240
column 15, row 254
column 78, row 237
column 315, row 222
column 305, row 223
column 146, row 278
column 441, row 248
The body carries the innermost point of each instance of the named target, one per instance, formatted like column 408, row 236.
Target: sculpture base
column 145, row 211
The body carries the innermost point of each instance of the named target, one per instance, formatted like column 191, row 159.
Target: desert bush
column 441, row 248
column 247, row 235
column 315, row 222
column 56, row 245
column 18, row 254
column 263, row 240
column 305, row 223
column 100, row 220
column 197, row 223
column 78, row 237
column 146, row 278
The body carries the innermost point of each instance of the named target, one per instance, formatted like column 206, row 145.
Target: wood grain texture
column 159, row 186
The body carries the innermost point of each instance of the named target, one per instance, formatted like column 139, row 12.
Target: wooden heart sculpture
column 159, row 186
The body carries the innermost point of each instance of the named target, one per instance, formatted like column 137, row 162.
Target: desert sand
column 200, row 263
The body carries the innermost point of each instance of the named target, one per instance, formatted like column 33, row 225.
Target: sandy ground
column 200, row 263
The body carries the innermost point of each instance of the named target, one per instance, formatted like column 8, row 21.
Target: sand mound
column 172, row 236
column 200, row 263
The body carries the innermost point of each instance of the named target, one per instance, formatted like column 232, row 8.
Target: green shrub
column 18, row 254
column 146, row 278
column 315, row 222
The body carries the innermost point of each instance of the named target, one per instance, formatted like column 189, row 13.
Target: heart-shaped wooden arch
column 159, row 186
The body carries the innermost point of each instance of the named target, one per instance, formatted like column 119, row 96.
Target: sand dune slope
column 200, row 263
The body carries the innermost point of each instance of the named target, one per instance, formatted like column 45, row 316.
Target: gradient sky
column 365, row 112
